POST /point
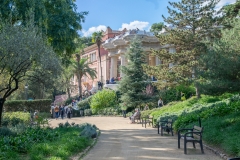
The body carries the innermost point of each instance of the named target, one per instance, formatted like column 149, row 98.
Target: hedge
column 42, row 105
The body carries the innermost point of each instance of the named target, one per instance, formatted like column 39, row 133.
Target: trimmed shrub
column 84, row 104
column 14, row 118
column 42, row 105
column 103, row 99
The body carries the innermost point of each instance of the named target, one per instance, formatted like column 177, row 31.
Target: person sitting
column 146, row 107
column 135, row 115
column 112, row 80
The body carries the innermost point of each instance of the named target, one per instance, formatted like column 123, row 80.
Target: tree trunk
column 99, row 55
column 79, row 85
column 1, row 110
column 198, row 94
column 68, row 92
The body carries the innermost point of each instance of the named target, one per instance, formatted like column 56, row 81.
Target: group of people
column 61, row 111
column 113, row 80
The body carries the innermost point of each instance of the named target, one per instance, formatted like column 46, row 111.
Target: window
column 93, row 57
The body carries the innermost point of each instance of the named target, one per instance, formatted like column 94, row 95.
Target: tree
column 81, row 68
column 156, row 27
column 133, row 84
column 97, row 38
column 231, row 10
column 192, row 21
column 21, row 50
column 66, row 76
column 58, row 20
column 222, row 62
column 229, row 13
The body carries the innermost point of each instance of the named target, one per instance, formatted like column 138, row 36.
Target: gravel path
column 120, row 140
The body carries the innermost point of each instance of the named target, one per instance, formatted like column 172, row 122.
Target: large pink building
column 113, row 52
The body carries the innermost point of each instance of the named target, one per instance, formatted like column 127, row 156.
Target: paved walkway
column 120, row 140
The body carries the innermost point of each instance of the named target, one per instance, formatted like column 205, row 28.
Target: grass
column 69, row 144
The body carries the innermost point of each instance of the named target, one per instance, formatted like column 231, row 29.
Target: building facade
column 113, row 52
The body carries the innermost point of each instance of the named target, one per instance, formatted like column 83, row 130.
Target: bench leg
column 142, row 122
column 158, row 127
column 145, row 123
column 172, row 131
column 161, row 131
column 193, row 144
column 201, row 145
column 185, row 147
column 179, row 137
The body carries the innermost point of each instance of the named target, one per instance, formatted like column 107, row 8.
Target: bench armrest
column 191, row 133
column 185, row 129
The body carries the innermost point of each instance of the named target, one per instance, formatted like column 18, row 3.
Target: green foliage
column 45, row 143
column 14, row 118
column 207, row 110
column 42, row 105
column 221, row 75
column 50, row 19
column 103, row 99
column 110, row 111
column 133, row 84
column 4, row 131
column 87, row 112
column 174, row 109
column 84, row 104
column 156, row 27
column 186, row 35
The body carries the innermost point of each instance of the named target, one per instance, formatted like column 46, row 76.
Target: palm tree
column 97, row 38
column 81, row 68
column 66, row 79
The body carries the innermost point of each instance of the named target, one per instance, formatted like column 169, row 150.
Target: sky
column 129, row 14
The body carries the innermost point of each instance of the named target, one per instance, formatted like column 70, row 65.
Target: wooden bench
column 193, row 135
column 147, row 119
column 137, row 117
column 165, row 126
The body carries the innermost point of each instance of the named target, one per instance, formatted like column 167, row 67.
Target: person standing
column 56, row 110
column 160, row 102
column 61, row 111
column 124, row 108
column 69, row 112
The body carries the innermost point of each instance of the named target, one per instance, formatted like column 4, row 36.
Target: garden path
column 120, row 140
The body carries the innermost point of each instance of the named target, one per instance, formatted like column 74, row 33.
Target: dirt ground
column 120, row 140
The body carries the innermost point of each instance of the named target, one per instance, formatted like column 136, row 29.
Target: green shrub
column 103, row 99
column 4, row 131
column 14, row 118
column 87, row 112
column 84, row 104
column 42, row 105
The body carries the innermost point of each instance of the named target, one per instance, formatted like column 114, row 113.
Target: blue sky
column 119, row 14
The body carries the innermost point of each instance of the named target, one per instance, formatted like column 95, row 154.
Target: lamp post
column 26, row 91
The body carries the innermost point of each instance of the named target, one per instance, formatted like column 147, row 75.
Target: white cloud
column 224, row 2
column 91, row 30
column 135, row 24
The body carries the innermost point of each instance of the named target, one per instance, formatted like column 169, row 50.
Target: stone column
column 113, row 69
column 123, row 63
